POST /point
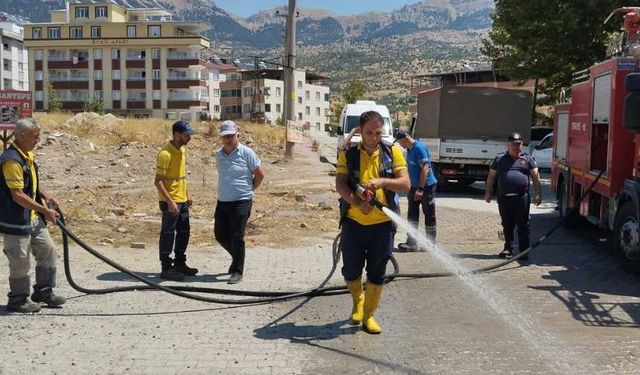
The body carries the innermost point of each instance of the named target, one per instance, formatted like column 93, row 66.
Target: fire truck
column 596, row 150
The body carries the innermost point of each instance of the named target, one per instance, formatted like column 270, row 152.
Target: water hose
column 258, row 297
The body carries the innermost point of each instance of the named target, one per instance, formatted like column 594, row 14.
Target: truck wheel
column 567, row 214
column 626, row 237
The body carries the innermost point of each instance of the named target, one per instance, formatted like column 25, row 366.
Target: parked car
column 537, row 134
column 542, row 152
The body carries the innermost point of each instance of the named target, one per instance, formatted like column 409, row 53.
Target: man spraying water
column 376, row 168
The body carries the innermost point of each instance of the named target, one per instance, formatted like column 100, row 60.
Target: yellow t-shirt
column 171, row 165
column 370, row 169
column 14, row 177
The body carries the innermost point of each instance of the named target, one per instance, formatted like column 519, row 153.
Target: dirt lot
column 101, row 170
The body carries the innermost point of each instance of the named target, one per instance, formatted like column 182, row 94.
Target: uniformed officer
column 514, row 169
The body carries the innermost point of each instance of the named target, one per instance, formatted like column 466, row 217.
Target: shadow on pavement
column 304, row 333
column 307, row 334
column 155, row 277
column 591, row 268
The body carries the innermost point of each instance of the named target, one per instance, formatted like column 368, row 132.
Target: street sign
column 295, row 132
column 14, row 105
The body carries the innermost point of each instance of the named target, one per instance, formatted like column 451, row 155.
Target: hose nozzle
column 369, row 197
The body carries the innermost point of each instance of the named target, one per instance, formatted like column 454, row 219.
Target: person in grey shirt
column 239, row 174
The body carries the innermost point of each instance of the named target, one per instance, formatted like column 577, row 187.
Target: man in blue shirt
column 513, row 170
column 423, row 188
column 239, row 174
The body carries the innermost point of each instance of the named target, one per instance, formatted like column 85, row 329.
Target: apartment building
column 259, row 95
column 138, row 61
column 13, row 55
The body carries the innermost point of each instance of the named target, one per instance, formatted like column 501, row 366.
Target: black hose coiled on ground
column 262, row 296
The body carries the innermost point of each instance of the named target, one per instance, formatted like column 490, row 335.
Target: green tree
column 350, row 93
column 549, row 39
column 94, row 104
column 353, row 91
column 54, row 104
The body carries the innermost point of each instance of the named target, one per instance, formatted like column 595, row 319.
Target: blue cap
column 183, row 127
column 227, row 128
column 401, row 134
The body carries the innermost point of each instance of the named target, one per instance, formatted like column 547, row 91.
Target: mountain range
column 386, row 49
column 315, row 27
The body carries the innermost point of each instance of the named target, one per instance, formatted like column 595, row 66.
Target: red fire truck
column 597, row 143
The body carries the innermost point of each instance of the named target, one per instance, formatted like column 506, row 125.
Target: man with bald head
column 24, row 210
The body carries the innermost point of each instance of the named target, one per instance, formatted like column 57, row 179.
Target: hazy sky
column 246, row 8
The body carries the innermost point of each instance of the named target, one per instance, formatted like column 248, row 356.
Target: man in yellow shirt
column 23, row 211
column 175, row 200
column 367, row 232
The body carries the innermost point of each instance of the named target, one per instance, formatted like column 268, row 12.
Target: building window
column 155, row 53
column 98, row 94
column 96, row 32
column 156, row 74
column 299, row 99
column 215, row 92
column 115, row 94
column 326, row 97
column 39, row 75
column 5, row 46
column 97, row 54
column 216, row 108
column 131, row 31
column 39, row 95
column 307, row 111
column 6, row 64
column 307, row 95
column 53, row 32
column 36, row 33
column 75, row 32
column 267, row 108
column 299, row 115
column 247, row 108
column 299, row 84
column 37, row 55
column 153, row 31
column 157, row 94
column 101, row 12
column 278, row 92
column 97, row 74
column 231, row 93
column 317, row 111
column 115, row 74
column 317, row 126
column 82, row 12
column 278, row 108
column 318, row 95
column 115, row 54
column 20, row 67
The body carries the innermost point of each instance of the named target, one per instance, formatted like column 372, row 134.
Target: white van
column 350, row 119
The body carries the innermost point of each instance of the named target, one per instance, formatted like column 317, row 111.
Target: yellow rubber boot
column 355, row 287
column 371, row 300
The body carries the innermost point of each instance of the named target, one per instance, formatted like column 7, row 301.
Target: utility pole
column 289, row 70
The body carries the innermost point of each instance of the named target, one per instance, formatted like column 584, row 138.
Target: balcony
column 183, row 55
column 73, row 63
column 136, row 84
column 185, row 83
column 185, row 104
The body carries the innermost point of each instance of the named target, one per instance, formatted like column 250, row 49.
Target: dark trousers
column 174, row 234
column 229, row 228
column 428, row 204
column 366, row 243
column 514, row 211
